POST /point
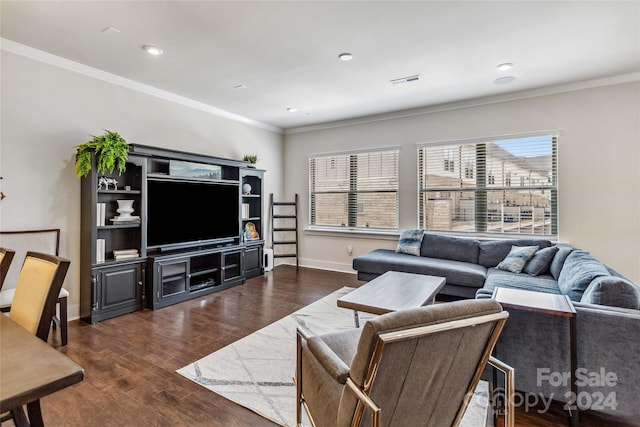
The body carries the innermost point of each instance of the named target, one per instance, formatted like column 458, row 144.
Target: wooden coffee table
column 392, row 291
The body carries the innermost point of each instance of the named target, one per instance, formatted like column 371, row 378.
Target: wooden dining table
column 29, row 370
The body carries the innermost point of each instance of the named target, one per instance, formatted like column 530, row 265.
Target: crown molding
column 470, row 103
column 57, row 61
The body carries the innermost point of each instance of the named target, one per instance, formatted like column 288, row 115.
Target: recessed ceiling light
column 152, row 50
column 504, row 66
column 503, row 80
column 345, row 57
column 292, row 109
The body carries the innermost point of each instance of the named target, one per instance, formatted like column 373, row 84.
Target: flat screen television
column 185, row 214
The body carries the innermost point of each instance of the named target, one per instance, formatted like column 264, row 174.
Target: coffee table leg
column 356, row 320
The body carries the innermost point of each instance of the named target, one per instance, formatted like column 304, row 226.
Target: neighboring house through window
column 508, row 186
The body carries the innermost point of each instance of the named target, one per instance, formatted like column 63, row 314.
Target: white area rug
column 257, row 371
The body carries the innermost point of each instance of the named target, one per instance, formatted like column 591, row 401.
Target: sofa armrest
column 608, row 351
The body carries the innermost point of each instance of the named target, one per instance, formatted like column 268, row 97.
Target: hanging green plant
column 111, row 151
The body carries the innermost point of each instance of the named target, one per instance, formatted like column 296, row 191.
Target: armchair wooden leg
column 301, row 405
column 298, row 380
column 63, row 321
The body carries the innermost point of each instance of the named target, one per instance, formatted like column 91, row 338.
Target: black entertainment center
column 186, row 237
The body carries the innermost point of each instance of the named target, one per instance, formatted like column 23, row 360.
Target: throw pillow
column 517, row 258
column 558, row 260
column 410, row 242
column 541, row 261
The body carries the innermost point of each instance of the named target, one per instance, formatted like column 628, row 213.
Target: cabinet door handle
column 140, row 283
column 94, row 292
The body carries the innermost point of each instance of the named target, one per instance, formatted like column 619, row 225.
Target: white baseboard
column 321, row 265
column 73, row 312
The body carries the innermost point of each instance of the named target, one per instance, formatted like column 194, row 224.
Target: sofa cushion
column 459, row 273
column 410, row 242
column 504, row 279
column 517, row 258
column 558, row 260
column 541, row 261
column 612, row 291
column 450, row 247
column 492, row 252
column 579, row 270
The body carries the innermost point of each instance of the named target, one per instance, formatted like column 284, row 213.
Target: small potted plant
column 251, row 158
column 111, row 151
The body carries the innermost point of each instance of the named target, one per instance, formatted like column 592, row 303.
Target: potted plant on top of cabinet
column 111, row 151
column 252, row 159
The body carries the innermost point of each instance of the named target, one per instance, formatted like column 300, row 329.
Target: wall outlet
column 350, row 250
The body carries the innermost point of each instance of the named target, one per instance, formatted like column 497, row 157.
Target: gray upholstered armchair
column 408, row 368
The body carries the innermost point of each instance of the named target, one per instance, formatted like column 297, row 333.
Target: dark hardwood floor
column 130, row 361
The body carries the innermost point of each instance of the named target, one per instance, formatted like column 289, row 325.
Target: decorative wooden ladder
column 284, row 228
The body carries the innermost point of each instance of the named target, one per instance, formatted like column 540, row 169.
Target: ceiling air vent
column 406, row 79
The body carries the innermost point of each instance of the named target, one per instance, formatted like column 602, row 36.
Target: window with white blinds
column 506, row 186
column 355, row 190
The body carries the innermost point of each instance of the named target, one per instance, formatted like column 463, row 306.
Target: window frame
column 354, row 203
column 485, row 183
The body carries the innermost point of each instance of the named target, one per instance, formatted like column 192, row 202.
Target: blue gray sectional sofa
column 537, row 345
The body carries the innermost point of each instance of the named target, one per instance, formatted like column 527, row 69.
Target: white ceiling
column 286, row 53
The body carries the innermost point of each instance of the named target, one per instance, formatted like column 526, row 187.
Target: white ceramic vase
column 125, row 208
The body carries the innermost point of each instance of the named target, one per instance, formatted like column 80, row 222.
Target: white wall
column 46, row 111
column 599, row 167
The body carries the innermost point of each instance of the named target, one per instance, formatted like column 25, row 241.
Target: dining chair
column 407, row 368
column 34, row 304
column 6, row 256
column 36, row 293
column 37, row 240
